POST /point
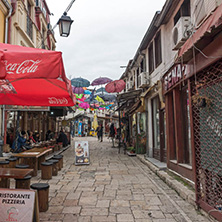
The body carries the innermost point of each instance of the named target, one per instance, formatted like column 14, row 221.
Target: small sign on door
column 81, row 152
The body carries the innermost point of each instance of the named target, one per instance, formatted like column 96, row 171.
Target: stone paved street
column 114, row 187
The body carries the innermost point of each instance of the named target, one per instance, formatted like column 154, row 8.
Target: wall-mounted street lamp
column 65, row 25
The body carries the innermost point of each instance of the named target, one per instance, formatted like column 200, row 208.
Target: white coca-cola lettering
column 25, row 67
column 54, row 100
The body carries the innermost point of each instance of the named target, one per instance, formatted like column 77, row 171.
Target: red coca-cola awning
column 33, row 77
column 211, row 23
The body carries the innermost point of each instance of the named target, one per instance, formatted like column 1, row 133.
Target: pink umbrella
column 115, row 86
column 84, row 105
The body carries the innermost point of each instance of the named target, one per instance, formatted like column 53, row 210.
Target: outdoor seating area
column 18, row 170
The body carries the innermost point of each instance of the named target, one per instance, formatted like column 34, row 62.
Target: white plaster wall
column 202, row 8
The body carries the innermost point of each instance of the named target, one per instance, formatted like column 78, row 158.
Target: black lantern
column 65, row 25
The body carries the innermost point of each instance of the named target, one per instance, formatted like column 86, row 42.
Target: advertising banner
column 16, row 205
column 81, row 152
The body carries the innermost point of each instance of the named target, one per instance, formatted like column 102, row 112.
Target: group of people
column 112, row 132
column 24, row 140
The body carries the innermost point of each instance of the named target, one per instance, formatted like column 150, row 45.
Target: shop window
column 158, row 52
column 186, row 126
column 151, row 58
column 29, row 28
column 156, row 122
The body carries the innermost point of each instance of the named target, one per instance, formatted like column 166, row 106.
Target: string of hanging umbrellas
column 102, row 98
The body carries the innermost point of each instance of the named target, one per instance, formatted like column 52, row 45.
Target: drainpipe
column 3, row 134
column 7, row 19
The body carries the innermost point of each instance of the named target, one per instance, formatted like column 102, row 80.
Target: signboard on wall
column 26, row 108
column 17, row 205
column 81, row 152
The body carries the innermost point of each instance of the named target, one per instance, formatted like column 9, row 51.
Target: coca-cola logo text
column 25, row 67
column 54, row 100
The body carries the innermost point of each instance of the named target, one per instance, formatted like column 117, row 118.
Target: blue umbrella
column 87, row 92
column 108, row 97
column 80, row 82
column 102, row 90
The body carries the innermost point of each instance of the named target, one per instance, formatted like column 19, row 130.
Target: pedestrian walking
column 112, row 133
column 101, row 132
column 98, row 132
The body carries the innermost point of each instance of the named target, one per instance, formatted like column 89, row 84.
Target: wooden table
column 33, row 158
column 6, row 173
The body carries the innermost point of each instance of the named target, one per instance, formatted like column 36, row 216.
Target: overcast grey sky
column 105, row 34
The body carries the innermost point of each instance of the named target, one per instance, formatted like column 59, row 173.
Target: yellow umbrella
column 95, row 122
column 99, row 99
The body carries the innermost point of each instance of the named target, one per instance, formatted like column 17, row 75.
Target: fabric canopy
column 33, row 77
column 212, row 22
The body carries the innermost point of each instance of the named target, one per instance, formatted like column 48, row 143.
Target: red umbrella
column 115, row 86
column 33, row 77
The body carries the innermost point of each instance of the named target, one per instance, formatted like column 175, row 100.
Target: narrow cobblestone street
column 114, row 187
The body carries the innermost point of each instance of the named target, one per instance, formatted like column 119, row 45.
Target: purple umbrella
column 77, row 90
column 101, row 81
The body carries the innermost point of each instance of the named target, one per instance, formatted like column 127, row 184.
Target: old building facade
column 177, row 67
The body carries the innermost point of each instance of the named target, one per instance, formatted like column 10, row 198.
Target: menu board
column 81, row 152
column 16, row 205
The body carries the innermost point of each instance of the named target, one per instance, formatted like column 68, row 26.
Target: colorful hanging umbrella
column 79, row 96
column 80, row 82
column 101, row 81
column 84, row 105
column 115, row 86
column 77, row 90
column 107, row 97
column 101, row 90
column 99, row 99
column 95, row 122
column 87, row 92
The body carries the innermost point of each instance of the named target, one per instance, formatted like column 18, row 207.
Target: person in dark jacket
column 101, row 132
column 19, row 143
column 98, row 132
column 112, row 133
column 62, row 138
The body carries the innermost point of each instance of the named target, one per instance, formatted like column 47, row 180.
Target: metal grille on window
column 29, row 27
column 207, row 122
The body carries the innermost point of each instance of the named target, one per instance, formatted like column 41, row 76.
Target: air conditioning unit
column 180, row 34
column 143, row 79
column 129, row 85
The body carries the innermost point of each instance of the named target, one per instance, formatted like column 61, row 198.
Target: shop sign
column 16, row 205
column 177, row 73
column 81, row 152
column 26, row 108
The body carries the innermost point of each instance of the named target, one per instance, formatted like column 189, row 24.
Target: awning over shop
column 33, row 77
column 129, row 95
column 207, row 27
column 135, row 107
column 144, row 94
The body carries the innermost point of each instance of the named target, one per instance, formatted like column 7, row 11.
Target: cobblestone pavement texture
column 114, row 187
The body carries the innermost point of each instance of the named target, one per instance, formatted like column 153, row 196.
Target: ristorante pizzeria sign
column 16, row 205
column 177, row 73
